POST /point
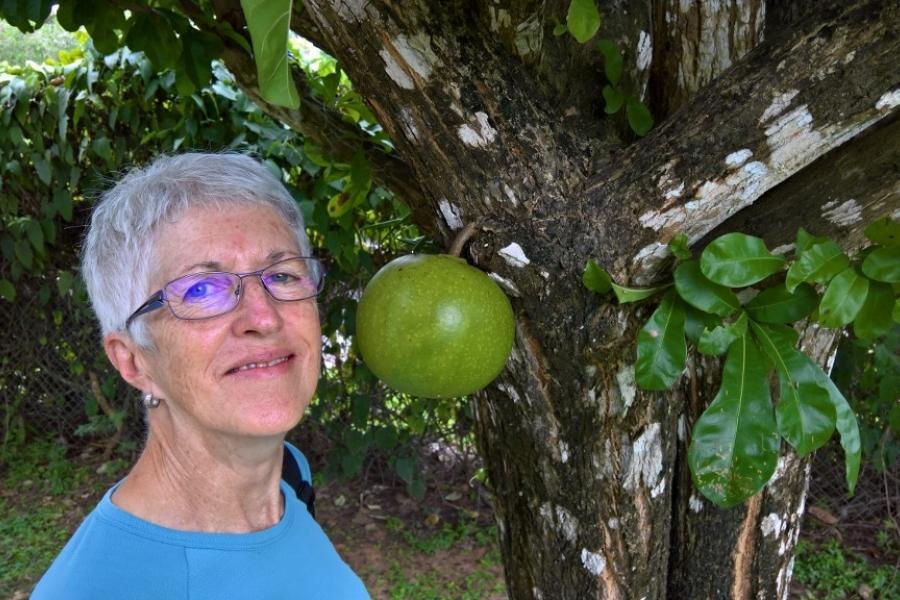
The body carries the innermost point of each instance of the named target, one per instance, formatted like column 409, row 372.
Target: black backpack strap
column 290, row 472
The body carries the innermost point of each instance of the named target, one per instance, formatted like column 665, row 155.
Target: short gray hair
column 118, row 246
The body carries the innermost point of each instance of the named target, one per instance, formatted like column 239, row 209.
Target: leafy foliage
column 735, row 441
column 75, row 120
column 582, row 22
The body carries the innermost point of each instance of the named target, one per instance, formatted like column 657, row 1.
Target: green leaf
column 23, row 253
column 700, row 292
column 847, row 426
column 883, row 264
column 45, row 173
column 583, row 19
column 560, row 29
column 151, row 33
column 777, row 305
column 884, row 231
column 843, row 299
column 805, row 371
column 738, row 260
column 805, row 414
column 806, row 239
column 734, row 443
column 679, row 246
column 612, row 60
column 269, row 24
column 596, row 279
column 64, row 282
column 895, row 314
column 717, row 341
column 874, row 318
column 35, row 235
column 818, row 263
column 613, row 99
column 339, row 204
column 639, row 118
column 199, row 49
column 661, row 350
column 697, row 321
column 26, row 15
column 7, row 290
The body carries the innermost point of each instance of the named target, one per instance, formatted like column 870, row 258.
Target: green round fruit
column 434, row 326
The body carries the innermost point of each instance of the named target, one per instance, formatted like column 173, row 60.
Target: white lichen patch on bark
column 772, row 525
column 645, row 465
column 674, row 192
column 567, row 524
column 510, row 195
column 409, row 57
column 500, row 18
column 514, row 255
column 613, row 523
column 478, row 132
column 593, row 561
column 508, row 286
column 681, row 429
column 627, row 387
column 529, row 35
column 408, row 123
column 395, row 71
column 658, row 489
column 644, row 51
column 648, row 260
column 738, row 158
column 563, row 452
column 888, row 100
column 509, row 391
column 843, row 214
column 780, row 103
column 450, row 214
column 783, row 249
column 351, row 10
column 695, row 503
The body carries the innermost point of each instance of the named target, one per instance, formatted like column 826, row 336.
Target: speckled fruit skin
column 434, row 326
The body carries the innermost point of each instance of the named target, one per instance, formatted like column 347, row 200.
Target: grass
column 438, row 579
column 42, row 501
column 828, row 571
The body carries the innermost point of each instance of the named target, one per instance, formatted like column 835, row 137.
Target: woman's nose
column 257, row 309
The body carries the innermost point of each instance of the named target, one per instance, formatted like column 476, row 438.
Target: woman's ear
column 127, row 357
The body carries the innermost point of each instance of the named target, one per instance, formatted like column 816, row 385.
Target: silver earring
column 150, row 401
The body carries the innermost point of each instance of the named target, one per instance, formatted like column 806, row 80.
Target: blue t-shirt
column 114, row 554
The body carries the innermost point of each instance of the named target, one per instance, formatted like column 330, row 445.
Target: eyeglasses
column 206, row 295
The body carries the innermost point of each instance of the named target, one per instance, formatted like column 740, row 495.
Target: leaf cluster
column 583, row 22
column 740, row 300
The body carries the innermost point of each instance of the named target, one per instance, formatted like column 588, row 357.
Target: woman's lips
column 261, row 366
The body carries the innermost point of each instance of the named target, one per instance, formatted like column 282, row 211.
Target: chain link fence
column 54, row 376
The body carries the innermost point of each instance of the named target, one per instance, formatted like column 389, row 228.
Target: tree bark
column 498, row 121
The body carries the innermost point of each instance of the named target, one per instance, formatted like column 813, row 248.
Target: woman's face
column 196, row 368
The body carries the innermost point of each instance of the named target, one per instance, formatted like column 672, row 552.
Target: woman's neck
column 219, row 485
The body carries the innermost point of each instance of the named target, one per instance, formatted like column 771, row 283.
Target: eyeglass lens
column 204, row 295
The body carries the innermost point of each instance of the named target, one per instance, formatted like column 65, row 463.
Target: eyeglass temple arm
column 156, row 301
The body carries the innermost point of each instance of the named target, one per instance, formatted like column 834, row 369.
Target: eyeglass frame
column 158, row 299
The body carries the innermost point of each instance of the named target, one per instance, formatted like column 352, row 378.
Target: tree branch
column 778, row 111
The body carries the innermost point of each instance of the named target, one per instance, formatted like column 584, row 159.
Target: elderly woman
column 199, row 270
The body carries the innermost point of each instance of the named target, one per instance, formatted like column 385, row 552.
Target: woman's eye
column 196, row 291
column 281, row 278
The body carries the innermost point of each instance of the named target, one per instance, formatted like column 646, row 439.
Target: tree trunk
column 499, row 122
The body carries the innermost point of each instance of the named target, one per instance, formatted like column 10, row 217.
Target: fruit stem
column 462, row 237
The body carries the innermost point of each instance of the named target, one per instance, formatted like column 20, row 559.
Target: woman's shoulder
column 103, row 557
